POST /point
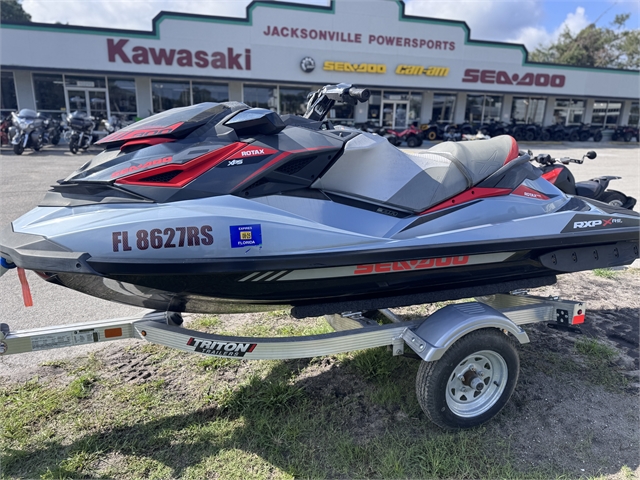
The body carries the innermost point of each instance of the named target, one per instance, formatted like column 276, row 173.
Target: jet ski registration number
column 157, row 238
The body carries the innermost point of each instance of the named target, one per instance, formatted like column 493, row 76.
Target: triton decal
column 221, row 349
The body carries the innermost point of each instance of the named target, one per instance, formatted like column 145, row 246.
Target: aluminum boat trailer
column 469, row 365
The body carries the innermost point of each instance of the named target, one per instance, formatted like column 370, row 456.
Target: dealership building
column 418, row 69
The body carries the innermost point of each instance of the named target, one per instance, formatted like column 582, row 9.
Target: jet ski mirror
column 591, row 154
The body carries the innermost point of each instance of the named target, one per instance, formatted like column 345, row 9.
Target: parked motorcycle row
column 29, row 129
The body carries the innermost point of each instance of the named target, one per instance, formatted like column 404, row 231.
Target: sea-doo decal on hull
column 379, row 268
column 591, row 222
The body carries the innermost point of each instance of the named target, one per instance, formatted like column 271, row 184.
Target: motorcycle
column 5, row 125
column 52, row 129
column 27, row 131
column 81, row 126
column 555, row 172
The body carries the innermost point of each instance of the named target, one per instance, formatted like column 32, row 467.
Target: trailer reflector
column 577, row 319
column 112, row 332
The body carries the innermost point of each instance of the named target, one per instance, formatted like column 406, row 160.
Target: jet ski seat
column 372, row 170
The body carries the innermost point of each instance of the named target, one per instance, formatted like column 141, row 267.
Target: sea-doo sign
column 120, row 51
column 500, row 77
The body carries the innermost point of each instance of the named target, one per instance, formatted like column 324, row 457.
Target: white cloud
column 494, row 20
column 533, row 37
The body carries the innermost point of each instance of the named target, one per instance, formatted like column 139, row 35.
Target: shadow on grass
column 333, row 424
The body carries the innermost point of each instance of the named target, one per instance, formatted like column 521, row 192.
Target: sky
column 530, row 22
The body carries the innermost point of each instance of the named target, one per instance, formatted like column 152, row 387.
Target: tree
column 12, row 11
column 595, row 46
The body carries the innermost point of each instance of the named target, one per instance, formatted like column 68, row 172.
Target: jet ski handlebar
column 545, row 158
column 321, row 101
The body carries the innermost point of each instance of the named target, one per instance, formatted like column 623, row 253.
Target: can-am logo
column 182, row 57
column 420, row 70
column 223, row 349
column 500, row 77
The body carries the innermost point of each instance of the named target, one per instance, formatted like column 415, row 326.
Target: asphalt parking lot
column 26, row 178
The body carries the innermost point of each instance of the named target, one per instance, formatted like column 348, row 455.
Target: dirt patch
column 574, row 412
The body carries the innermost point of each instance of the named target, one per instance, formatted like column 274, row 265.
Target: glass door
column 77, row 101
column 90, row 100
column 394, row 115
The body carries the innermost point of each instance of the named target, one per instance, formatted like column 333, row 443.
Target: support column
column 588, row 110
column 144, row 99
column 235, row 92
column 426, row 111
column 25, row 95
column 461, row 106
column 507, row 103
column 623, row 119
column 548, row 112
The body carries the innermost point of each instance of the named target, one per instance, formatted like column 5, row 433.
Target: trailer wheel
column 472, row 381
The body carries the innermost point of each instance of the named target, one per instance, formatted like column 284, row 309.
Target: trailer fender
column 431, row 339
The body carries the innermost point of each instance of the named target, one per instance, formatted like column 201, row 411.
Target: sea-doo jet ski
column 219, row 207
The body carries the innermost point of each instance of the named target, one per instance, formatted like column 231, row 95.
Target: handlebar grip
column 361, row 94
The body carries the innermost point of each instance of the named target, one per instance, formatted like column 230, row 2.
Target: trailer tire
column 440, row 391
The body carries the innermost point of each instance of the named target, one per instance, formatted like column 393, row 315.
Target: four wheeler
column 555, row 171
column 432, row 131
column 412, row 135
column 626, row 133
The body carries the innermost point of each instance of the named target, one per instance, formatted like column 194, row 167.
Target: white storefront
column 419, row 69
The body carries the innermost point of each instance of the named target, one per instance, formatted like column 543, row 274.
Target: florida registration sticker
column 245, row 236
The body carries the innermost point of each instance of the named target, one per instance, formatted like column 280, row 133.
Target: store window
column 49, row 92
column 569, row 111
column 483, row 108
column 293, row 100
column 260, row 96
column 8, row 100
column 210, row 92
column 634, row 114
column 605, row 114
column 169, row 94
column 528, row 109
column 122, row 97
column 443, row 107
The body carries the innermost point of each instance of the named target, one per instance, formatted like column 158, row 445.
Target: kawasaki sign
column 120, row 51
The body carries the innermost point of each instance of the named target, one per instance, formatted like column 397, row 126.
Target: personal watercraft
column 219, row 207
